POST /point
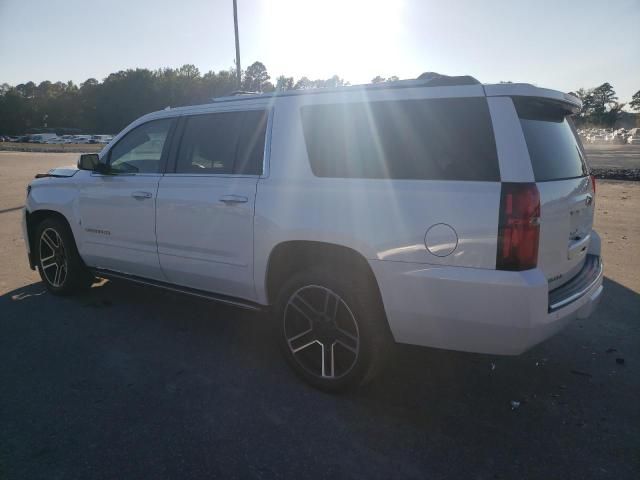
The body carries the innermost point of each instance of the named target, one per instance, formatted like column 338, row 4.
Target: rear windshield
column 554, row 148
column 435, row 139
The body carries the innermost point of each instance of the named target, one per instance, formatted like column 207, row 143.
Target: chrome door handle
column 232, row 199
column 141, row 195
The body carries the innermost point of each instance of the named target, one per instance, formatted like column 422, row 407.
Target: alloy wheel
column 53, row 258
column 321, row 332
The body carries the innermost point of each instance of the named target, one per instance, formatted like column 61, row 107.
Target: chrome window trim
column 201, row 175
column 266, row 158
column 95, row 174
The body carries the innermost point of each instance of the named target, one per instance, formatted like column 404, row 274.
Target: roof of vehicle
column 428, row 79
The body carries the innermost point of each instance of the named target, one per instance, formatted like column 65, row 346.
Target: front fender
column 56, row 195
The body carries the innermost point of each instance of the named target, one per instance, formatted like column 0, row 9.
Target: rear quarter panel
column 382, row 219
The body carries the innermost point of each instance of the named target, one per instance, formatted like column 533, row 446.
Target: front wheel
column 331, row 329
column 59, row 264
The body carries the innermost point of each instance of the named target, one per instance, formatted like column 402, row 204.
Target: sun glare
column 355, row 39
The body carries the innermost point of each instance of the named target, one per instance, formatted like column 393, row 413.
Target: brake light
column 519, row 227
column 593, row 183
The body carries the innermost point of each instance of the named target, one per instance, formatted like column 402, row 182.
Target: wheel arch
column 33, row 219
column 291, row 256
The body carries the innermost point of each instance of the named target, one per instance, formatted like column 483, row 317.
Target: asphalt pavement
column 130, row 382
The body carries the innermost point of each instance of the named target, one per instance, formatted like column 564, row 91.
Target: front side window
column 140, row 150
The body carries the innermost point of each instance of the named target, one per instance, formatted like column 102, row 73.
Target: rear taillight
column 593, row 183
column 519, row 227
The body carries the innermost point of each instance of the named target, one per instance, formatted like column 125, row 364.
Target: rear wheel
column 59, row 264
column 331, row 329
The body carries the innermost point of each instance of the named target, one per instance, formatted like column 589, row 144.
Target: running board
column 99, row 272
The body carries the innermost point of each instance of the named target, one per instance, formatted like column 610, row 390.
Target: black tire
column 358, row 301
column 62, row 271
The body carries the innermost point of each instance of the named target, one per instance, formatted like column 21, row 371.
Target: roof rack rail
column 235, row 94
column 244, row 92
column 427, row 79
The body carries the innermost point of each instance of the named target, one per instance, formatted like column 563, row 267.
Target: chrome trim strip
column 217, row 175
column 570, row 299
column 176, row 288
column 266, row 158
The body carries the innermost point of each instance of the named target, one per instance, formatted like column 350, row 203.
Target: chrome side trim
column 582, row 291
column 266, row 156
column 216, row 175
column 237, row 302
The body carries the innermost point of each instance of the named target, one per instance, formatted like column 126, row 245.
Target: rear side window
column 223, row 143
column 439, row 139
column 554, row 148
column 209, row 143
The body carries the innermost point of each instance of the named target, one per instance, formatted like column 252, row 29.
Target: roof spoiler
column 526, row 90
column 434, row 79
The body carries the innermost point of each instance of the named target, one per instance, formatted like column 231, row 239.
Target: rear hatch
column 566, row 190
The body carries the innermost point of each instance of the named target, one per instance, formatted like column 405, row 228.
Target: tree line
column 110, row 105
column 600, row 106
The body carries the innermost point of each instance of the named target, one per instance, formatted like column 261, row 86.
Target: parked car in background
column 82, row 139
column 104, row 139
column 55, row 140
column 356, row 216
column 42, row 137
column 633, row 136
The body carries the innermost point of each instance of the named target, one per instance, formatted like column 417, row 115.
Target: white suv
column 442, row 213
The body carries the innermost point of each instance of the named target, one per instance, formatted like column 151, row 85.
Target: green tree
column 635, row 101
column 303, row 83
column 107, row 106
column 379, row 79
column 604, row 96
column 255, row 78
column 284, row 83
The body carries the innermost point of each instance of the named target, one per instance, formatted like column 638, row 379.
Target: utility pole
column 235, row 25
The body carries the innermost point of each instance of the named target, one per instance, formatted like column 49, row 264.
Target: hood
column 68, row 171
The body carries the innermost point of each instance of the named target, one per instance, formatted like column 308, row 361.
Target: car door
column 205, row 206
column 117, row 211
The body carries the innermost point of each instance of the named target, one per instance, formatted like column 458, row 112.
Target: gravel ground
column 51, row 148
column 130, row 382
column 613, row 156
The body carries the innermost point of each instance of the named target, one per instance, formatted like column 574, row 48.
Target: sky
column 561, row 44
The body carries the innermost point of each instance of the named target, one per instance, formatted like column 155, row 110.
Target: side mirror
column 88, row 161
column 91, row 162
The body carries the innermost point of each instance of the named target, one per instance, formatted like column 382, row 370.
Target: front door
column 205, row 207
column 117, row 211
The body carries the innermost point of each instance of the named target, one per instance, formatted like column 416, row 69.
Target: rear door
column 205, row 207
column 566, row 191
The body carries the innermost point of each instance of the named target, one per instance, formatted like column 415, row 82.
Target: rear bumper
column 477, row 310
